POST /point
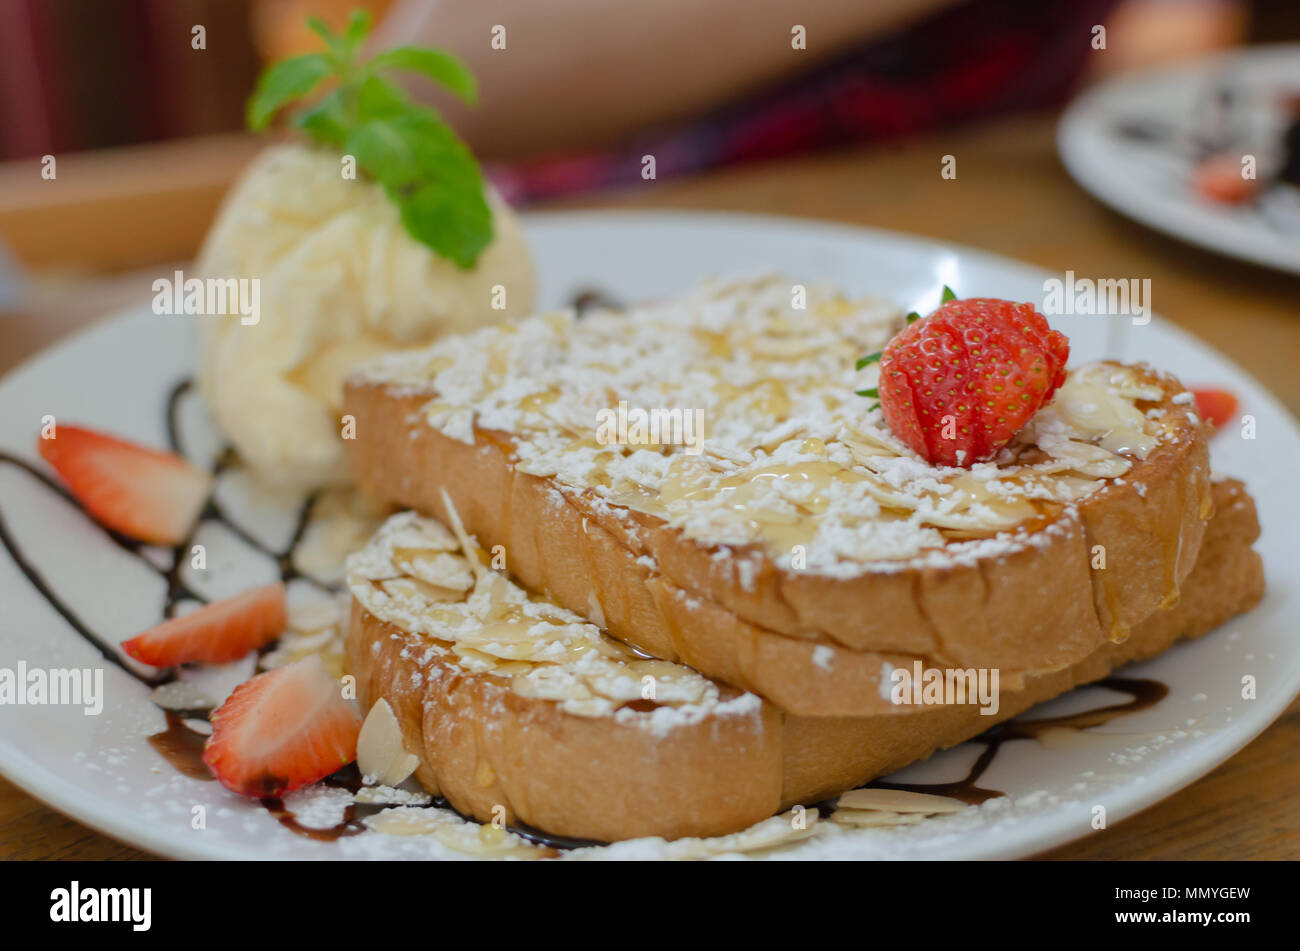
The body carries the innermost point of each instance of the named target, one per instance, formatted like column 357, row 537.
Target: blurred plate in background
column 1134, row 141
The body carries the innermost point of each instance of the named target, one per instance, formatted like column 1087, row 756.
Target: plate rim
column 56, row 792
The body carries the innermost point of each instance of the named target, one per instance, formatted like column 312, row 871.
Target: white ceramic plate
column 1148, row 180
column 101, row 770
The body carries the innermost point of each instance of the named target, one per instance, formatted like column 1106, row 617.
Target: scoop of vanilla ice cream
column 340, row 281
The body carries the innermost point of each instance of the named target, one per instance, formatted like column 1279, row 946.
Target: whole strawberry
column 959, row 384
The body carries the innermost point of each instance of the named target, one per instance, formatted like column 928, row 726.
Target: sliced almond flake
column 310, row 641
column 391, row 796
column 467, row 546
column 613, row 650
column 670, row 684
column 617, row 685
column 552, row 683
column 546, row 652
column 413, row 589
column 956, row 508
column 424, row 534
column 381, row 756
column 180, row 695
column 203, row 727
column 342, row 520
column 595, row 707
column 770, row 833
column 1082, row 457
column 515, row 651
column 864, row 452
column 326, row 644
column 457, row 422
column 728, row 454
column 441, row 569
column 460, row 835
column 872, row 819
column 371, row 565
column 787, row 431
column 900, row 800
column 476, row 662
column 784, row 348
column 520, row 640
column 509, row 668
column 493, row 596
column 313, row 614
column 626, row 684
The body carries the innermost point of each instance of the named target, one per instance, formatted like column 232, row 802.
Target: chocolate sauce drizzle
column 39, row 582
column 182, row 746
column 176, row 588
column 593, row 298
column 1143, row 695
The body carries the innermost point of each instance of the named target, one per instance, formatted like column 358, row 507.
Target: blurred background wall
column 90, row 74
column 148, row 130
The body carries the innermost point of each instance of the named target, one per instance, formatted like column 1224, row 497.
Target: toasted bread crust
column 827, row 754
column 814, row 645
column 484, row 746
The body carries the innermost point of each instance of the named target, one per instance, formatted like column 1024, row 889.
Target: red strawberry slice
column 143, row 493
column 1220, row 179
column 958, row 385
column 1217, row 407
column 282, row 730
column 216, row 633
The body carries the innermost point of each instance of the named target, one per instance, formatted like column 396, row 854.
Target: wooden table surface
column 1010, row 196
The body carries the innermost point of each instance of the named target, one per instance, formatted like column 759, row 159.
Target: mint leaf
column 321, row 29
column 948, row 294
column 327, row 121
column 450, row 222
column 401, row 150
column 442, row 68
column 355, row 33
column 283, row 83
column 419, row 162
column 432, row 177
column 343, row 48
column 379, row 99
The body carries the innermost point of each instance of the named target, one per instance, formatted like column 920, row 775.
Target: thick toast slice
column 1091, row 523
column 510, row 702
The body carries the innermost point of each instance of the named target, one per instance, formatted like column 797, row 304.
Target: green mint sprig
column 422, row 166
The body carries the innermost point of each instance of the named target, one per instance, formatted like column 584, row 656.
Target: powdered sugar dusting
column 483, row 623
column 793, row 460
